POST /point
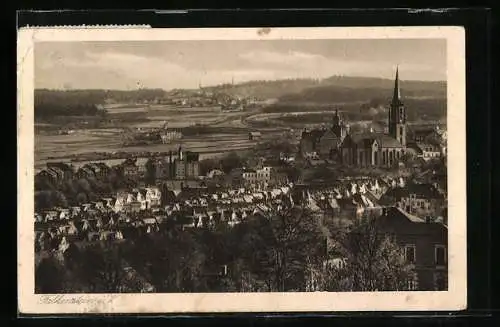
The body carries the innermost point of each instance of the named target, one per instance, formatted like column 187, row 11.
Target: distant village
column 170, row 190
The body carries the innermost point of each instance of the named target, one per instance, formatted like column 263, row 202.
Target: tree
column 83, row 185
column 43, row 200
column 207, row 165
column 48, row 276
column 231, row 161
column 101, row 269
column 81, row 198
column 281, row 245
column 59, row 199
column 293, row 173
column 372, row 261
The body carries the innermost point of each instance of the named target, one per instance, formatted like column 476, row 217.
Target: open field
column 208, row 131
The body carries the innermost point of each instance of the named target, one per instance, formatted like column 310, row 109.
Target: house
column 153, row 197
column 67, row 170
column 57, row 174
column 426, row 134
column 215, row 173
column 427, row 150
column 254, row 136
column 259, row 178
column 424, row 243
column 422, row 199
column 129, row 168
column 46, row 176
column 100, row 169
column 85, row 172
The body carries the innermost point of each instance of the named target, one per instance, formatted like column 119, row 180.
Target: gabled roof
column 367, row 139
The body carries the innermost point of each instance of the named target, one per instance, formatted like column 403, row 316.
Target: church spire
column 396, row 98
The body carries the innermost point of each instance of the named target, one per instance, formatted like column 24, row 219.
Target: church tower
column 397, row 114
column 338, row 127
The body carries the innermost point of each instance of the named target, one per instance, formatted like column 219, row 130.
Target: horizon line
column 241, row 83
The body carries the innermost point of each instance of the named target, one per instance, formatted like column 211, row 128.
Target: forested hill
column 51, row 103
column 96, row 96
column 265, row 89
column 333, row 89
column 347, row 89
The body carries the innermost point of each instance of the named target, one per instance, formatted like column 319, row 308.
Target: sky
column 168, row 65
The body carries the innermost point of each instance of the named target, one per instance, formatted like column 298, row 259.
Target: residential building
column 67, row 170
column 258, row 178
column 57, row 173
column 425, row 246
column 46, row 175
column 129, row 168
column 422, row 200
column 187, row 165
column 85, row 172
column 100, row 169
column 254, row 136
column 427, row 150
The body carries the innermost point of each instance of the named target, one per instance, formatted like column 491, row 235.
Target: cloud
column 303, row 64
column 281, row 58
column 80, row 67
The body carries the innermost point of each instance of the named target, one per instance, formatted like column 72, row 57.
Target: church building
column 324, row 141
column 379, row 149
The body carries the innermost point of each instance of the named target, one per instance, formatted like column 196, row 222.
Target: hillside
column 332, row 89
column 265, row 89
column 360, row 91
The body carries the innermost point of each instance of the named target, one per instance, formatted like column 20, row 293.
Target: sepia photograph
column 242, row 169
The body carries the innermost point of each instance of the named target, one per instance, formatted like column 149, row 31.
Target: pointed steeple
column 396, row 98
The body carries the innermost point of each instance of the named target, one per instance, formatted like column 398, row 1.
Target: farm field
column 214, row 132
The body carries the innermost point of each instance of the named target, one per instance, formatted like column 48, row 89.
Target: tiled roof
column 384, row 140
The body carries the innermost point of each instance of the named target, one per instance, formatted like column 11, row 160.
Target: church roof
column 384, row 140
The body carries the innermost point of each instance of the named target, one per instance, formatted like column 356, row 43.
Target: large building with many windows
column 379, row 149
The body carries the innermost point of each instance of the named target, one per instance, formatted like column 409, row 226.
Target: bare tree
column 292, row 238
column 371, row 260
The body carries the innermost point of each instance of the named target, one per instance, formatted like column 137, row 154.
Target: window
column 410, row 253
column 440, row 255
column 412, row 284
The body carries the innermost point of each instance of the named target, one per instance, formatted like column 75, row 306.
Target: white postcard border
column 453, row 299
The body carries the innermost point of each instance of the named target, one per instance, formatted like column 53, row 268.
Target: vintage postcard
column 241, row 170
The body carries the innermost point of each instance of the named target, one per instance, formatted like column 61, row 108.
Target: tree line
column 78, row 191
column 52, row 103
